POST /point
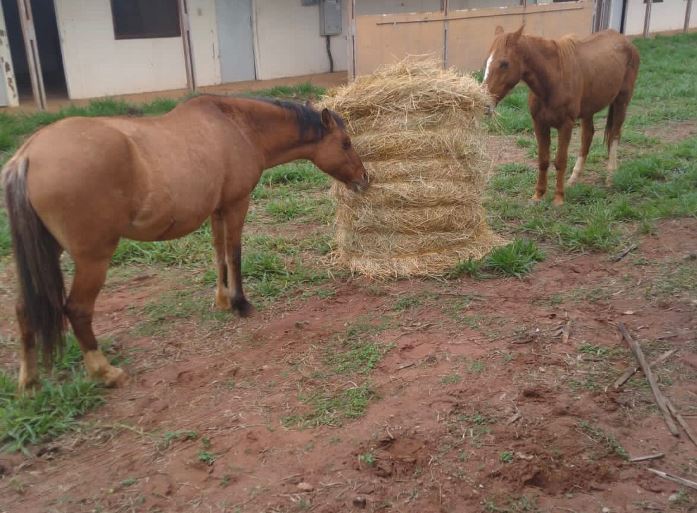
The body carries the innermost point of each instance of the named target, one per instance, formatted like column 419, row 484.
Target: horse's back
column 608, row 64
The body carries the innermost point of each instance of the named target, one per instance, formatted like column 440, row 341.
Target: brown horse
column 81, row 184
column 569, row 79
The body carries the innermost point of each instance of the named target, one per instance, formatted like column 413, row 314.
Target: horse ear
column 327, row 119
column 498, row 30
column 515, row 36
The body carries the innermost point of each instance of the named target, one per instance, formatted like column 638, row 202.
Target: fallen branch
column 647, row 458
column 675, row 479
column 627, row 374
column 624, row 253
column 683, row 423
column 657, row 394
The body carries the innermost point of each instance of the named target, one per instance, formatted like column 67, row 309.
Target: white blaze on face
column 488, row 65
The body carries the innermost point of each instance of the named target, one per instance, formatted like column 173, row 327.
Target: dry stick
column 647, row 458
column 624, row 253
column 633, row 370
column 657, row 394
column 566, row 333
column 683, row 423
column 675, row 479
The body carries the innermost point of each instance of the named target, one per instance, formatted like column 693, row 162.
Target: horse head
column 504, row 66
column 336, row 156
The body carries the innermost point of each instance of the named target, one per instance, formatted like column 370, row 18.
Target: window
column 139, row 19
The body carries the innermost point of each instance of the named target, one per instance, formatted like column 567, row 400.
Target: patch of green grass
column 451, row 379
column 675, row 278
column 304, row 91
column 512, row 116
column 407, row 303
column 196, row 248
column 599, row 351
column 206, row 457
column 367, row 458
column 359, row 357
column 522, row 504
column 506, row 457
column 53, row 410
column 607, row 441
column 301, row 173
column 175, row 436
column 179, row 304
column 515, row 259
column 130, row 481
column 332, row 408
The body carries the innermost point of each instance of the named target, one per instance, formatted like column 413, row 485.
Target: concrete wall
column 287, row 40
column 96, row 64
column 383, row 39
column 668, row 15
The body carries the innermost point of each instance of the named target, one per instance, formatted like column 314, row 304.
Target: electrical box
column 329, row 17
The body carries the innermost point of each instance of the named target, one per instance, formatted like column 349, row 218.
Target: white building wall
column 287, row 40
column 96, row 64
column 665, row 16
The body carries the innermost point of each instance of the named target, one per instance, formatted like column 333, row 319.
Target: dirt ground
column 481, row 404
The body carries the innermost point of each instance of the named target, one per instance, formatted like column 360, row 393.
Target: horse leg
column 543, row 142
column 560, row 161
column 222, row 297
column 234, row 216
column 586, row 138
column 28, row 365
column 619, row 112
column 90, row 275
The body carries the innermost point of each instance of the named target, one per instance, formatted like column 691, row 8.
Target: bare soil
column 480, row 404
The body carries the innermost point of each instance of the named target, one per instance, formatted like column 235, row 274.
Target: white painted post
column 34, row 63
column 186, row 41
column 647, row 18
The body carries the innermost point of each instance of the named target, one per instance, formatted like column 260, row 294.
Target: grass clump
column 515, row 259
column 332, row 408
column 53, row 410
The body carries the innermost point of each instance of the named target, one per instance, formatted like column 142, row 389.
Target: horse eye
column 503, row 65
column 346, row 144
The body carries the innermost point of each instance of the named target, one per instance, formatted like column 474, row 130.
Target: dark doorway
column 48, row 42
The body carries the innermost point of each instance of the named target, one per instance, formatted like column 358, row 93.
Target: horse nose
column 488, row 110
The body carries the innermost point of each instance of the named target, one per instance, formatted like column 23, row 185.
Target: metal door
column 235, row 38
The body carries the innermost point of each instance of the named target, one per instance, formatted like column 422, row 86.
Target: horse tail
column 607, row 138
column 37, row 256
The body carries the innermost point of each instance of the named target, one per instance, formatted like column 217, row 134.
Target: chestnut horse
column 569, row 79
column 81, row 184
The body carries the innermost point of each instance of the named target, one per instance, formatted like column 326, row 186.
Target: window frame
column 151, row 35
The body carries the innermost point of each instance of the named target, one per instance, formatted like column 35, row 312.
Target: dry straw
column 416, row 127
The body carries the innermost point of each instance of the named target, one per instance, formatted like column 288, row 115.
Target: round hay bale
column 416, row 127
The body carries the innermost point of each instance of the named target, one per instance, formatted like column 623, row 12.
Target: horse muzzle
column 359, row 185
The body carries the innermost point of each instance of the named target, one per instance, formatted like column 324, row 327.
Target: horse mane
column 309, row 120
column 566, row 50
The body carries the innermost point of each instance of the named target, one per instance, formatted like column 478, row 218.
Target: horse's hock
column 416, row 127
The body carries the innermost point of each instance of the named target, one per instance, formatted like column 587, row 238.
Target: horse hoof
column 222, row 303
column 535, row 199
column 558, row 202
column 114, row 377
column 243, row 307
column 28, row 389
